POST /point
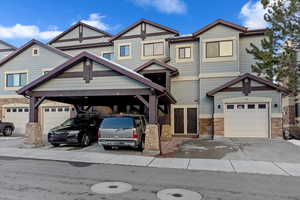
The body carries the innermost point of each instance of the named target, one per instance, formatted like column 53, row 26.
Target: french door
column 185, row 119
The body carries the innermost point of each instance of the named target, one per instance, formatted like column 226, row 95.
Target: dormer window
column 35, row 52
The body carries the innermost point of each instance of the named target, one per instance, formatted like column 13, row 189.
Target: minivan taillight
column 99, row 133
column 135, row 134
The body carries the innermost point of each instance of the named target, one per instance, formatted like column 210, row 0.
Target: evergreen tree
column 276, row 59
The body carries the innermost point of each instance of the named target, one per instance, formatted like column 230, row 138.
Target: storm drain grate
column 178, row 194
column 111, row 188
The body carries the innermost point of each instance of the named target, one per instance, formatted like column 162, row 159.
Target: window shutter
column 212, row 49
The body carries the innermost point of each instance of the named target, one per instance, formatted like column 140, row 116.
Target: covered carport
column 88, row 80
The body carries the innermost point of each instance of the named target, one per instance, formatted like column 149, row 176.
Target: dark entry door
column 185, row 120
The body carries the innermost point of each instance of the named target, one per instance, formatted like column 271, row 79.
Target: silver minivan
column 122, row 131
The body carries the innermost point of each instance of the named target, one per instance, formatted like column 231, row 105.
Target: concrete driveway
column 274, row 150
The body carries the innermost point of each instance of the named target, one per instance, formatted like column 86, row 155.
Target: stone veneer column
column 166, row 133
column 276, row 127
column 34, row 134
column 152, row 140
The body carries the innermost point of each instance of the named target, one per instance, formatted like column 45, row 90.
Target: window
column 67, row 109
column 124, row 51
column 8, row 110
column 45, row 72
column 35, row 52
column 108, row 56
column 184, row 52
column 153, row 49
column 251, row 106
column 262, row 106
column 219, row 49
column 47, row 109
column 240, row 106
column 20, row 110
column 16, row 80
column 59, row 109
column 26, row 109
column 230, row 107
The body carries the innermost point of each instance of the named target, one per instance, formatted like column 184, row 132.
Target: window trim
column 103, row 52
column 177, row 48
column 14, row 72
column 130, row 51
column 221, row 58
column 46, row 70
column 143, row 57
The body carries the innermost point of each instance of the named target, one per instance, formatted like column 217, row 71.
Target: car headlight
column 73, row 133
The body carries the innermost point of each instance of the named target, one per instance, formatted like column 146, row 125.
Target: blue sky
column 22, row 20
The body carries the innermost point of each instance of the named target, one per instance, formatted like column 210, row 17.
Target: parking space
column 272, row 150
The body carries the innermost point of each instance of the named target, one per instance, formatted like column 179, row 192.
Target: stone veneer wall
column 219, row 126
column 276, row 127
column 206, row 126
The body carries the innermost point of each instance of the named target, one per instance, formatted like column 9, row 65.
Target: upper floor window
column 35, row 52
column 153, row 49
column 108, row 55
column 219, row 49
column 16, row 79
column 184, row 52
column 124, row 50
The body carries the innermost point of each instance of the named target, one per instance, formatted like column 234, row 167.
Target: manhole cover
column 178, row 194
column 111, row 188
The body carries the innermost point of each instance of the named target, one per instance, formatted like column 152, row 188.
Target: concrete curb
column 237, row 166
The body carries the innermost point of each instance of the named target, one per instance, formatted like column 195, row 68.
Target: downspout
column 213, row 121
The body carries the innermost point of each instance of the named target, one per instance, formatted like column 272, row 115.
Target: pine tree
column 276, row 59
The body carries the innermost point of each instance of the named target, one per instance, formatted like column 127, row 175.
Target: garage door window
column 240, row 106
column 262, row 106
column 230, row 107
column 8, row 110
column 26, row 109
column 67, row 109
column 251, row 106
column 59, row 109
column 20, row 110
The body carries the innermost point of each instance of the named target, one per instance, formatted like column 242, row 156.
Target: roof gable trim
column 81, row 57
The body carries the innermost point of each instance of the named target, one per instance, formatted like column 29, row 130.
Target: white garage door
column 246, row 120
column 54, row 116
column 19, row 116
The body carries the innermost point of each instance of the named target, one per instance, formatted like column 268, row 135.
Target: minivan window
column 117, row 122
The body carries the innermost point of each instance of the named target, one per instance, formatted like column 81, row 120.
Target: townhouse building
column 193, row 85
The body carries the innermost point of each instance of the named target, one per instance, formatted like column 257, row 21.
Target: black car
column 7, row 128
column 75, row 131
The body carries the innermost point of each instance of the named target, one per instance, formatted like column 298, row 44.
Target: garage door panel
column 54, row 116
column 251, row 120
column 18, row 116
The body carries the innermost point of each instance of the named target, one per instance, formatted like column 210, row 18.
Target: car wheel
column 85, row 140
column 7, row 131
column 287, row 135
column 107, row 147
column 54, row 144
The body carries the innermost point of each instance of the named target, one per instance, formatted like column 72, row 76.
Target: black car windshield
column 72, row 122
column 118, row 122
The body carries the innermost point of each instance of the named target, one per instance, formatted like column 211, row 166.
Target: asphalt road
column 22, row 179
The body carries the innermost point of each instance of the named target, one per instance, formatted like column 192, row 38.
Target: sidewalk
column 237, row 166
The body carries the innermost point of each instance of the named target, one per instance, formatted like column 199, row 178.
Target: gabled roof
column 168, row 29
column 8, row 45
column 172, row 69
column 82, row 56
column 75, row 26
column 28, row 45
column 248, row 76
column 222, row 22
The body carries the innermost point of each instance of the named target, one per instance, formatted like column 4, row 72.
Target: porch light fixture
column 275, row 105
column 219, row 106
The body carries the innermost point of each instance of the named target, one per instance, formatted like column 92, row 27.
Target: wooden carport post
column 152, row 140
column 34, row 135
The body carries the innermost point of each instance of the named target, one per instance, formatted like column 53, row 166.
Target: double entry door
column 185, row 119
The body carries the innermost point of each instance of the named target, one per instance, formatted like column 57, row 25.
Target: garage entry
column 54, row 116
column 18, row 116
column 246, row 120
